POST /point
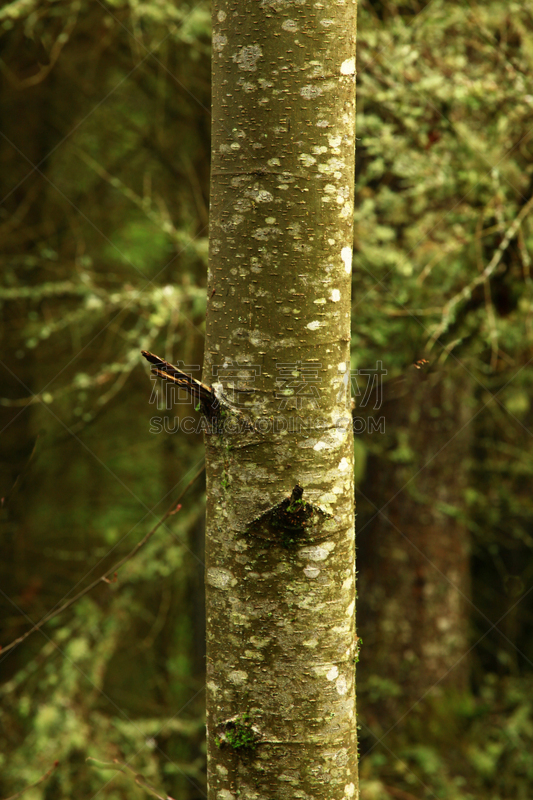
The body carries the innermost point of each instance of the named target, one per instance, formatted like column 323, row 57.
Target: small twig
column 413, row 312
column 33, row 785
column 447, row 249
column 526, row 271
column 139, row 779
column 105, row 578
column 466, row 292
column 491, row 316
column 160, row 217
column 399, row 793
column 21, row 473
column 55, row 52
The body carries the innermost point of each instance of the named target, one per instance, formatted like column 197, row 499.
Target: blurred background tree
column 104, row 154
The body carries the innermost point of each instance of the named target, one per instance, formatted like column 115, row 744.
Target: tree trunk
column 280, row 574
column 415, row 551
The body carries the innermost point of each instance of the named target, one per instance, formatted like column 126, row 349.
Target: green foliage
column 444, row 169
column 101, row 257
column 104, row 253
column 472, row 746
column 440, row 178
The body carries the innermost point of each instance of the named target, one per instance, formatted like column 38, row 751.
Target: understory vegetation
column 104, row 149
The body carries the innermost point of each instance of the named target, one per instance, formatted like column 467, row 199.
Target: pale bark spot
column 239, row 180
column 221, row 769
column 311, row 572
column 349, row 611
column 342, row 366
column 320, row 446
column 307, row 160
column 312, row 326
column 219, row 42
column 247, row 57
column 238, row 677
column 348, row 67
column 343, row 465
column 346, row 210
column 335, row 295
column 310, row 643
column 221, row 16
column 310, row 92
column 262, row 234
column 349, row 790
column 242, row 204
column 274, row 162
column 290, row 25
column 329, row 497
column 220, row 578
column 332, row 673
column 341, row 685
column 288, row 779
column 318, row 552
column 334, row 141
column 320, row 302
column 254, row 655
column 260, row 195
column 257, row 642
column 224, row 794
column 332, row 168
column 346, row 255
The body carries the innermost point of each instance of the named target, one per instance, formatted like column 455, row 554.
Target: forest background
column 104, row 152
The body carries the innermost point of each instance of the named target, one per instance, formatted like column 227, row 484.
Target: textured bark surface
column 280, row 573
column 415, row 580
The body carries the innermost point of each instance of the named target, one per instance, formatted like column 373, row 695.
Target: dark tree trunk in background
column 27, row 137
column 414, row 556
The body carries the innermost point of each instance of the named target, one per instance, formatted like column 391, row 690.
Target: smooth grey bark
column 280, row 574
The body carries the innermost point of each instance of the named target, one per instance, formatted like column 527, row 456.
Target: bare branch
column 466, row 292
column 110, row 575
column 33, row 785
column 139, row 779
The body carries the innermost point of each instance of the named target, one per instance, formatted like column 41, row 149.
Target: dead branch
column 110, row 575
